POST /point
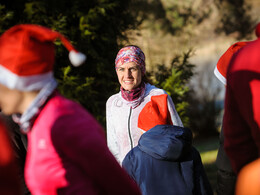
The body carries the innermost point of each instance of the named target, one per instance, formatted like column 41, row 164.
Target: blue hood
column 166, row 142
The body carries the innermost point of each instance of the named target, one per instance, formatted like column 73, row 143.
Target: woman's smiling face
column 129, row 75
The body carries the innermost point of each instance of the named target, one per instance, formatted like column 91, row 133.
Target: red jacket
column 242, row 107
column 67, row 154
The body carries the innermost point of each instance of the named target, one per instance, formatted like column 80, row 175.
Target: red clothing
column 9, row 181
column 67, row 154
column 242, row 107
column 220, row 70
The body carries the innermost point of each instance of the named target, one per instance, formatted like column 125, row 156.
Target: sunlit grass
column 209, row 157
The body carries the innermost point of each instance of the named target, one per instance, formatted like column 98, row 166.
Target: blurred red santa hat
column 220, row 70
column 27, row 54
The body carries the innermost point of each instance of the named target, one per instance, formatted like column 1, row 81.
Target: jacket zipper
column 129, row 133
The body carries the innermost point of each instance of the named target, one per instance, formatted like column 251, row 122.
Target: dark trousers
column 226, row 182
column 226, row 178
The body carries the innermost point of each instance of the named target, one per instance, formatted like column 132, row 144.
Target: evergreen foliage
column 94, row 27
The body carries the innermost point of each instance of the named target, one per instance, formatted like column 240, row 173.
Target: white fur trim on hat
column 220, row 76
column 24, row 83
column 76, row 58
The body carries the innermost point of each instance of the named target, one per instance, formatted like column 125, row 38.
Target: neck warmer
column 26, row 119
column 135, row 96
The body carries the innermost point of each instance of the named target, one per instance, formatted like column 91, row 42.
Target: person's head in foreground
column 27, row 54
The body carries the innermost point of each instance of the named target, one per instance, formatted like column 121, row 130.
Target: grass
column 208, row 149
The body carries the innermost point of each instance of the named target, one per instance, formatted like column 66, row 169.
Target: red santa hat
column 221, row 68
column 155, row 113
column 27, row 54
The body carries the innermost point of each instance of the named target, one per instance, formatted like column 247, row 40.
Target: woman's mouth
column 128, row 82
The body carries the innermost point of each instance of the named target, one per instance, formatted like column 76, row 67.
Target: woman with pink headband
column 123, row 108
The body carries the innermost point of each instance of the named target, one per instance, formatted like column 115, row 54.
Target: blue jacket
column 164, row 162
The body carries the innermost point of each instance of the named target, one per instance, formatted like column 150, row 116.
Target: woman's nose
column 128, row 73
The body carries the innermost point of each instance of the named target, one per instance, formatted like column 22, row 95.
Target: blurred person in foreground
column 9, row 180
column 226, row 178
column 241, row 124
column 19, row 146
column 123, row 108
column 67, row 152
column 164, row 161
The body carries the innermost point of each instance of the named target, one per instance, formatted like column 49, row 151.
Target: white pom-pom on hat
column 77, row 58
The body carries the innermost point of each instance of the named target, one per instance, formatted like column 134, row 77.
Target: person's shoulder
column 131, row 157
column 153, row 90
column 59, row 102
column 59, row 106
column 112, row 98
column 65, row 114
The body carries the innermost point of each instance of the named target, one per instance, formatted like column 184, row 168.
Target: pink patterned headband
column 131, row 54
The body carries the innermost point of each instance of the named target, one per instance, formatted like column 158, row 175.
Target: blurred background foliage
column 99, row 28
column 94, row 27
